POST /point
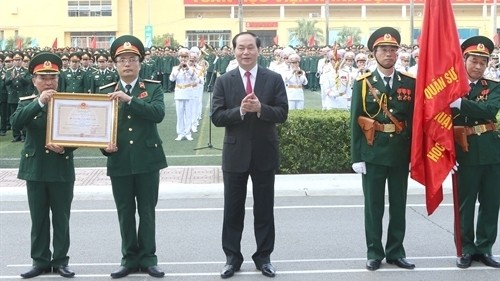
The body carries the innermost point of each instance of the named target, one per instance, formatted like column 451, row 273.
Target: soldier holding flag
column 477, row 143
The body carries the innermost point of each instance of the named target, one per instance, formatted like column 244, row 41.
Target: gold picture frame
column 81, row 120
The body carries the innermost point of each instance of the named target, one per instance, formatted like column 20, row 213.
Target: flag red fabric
column 54, row 44
column 496, row 39
column 349, row 41
column 167, row 42
column 93, row 43
column 438, row 84
column 19, row 43
column 311, row 42
column 275, row 40
column 201, row 42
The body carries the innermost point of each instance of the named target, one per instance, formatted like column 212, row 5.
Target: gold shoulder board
column 107, row 85
column 407, row 74
column 366, row 75
column 27, row 98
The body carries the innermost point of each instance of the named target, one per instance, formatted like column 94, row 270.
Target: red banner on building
column 322, row 2
column 258, row 24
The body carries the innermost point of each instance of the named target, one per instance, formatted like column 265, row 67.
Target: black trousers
column 235, row 192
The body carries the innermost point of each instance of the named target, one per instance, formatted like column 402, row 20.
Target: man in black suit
column 248, row 101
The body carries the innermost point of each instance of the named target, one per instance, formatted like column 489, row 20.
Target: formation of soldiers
column 331, row 70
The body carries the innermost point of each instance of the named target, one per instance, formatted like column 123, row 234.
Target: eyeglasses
column 128, row 60
column 75, row 61
column 405, row 60
column 183, row 56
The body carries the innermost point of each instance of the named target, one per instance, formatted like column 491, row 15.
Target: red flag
column 166, row 43
column 438, row 84
column 275, row 40
column 93, row 43
column 54, row 45
column 349, row 42
column 311, row 42
column 201, row 42
column 496, row 39
column 19, row 43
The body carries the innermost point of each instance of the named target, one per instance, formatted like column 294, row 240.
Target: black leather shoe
column 268, row 270
column 373, row 264
column 402, row 262
column 122, row 272
column 35, row 271
column 154, row 271
column 228, row 271
column 464, row 261
column 64, row 271
column 18, row 139
column 487, row 259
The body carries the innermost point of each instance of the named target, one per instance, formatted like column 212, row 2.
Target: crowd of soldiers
column 330, row 70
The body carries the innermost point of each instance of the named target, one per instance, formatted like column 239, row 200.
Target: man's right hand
column 359, row 168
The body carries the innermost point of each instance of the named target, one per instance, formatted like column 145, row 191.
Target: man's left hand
column 250, row 103
column 120, row 96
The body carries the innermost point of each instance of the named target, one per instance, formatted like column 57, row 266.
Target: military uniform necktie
column 128, row 87
column 387, row 84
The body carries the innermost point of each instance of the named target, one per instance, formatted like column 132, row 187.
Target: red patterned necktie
column 249, row 83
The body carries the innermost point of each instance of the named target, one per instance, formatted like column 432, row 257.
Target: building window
column 92, row 8
column 95, row 40
column 215, row 38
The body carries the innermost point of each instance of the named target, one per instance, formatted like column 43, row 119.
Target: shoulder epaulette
column 407, row 74
column 27, row 98
column 107, row 85
column 366, row 75
column 151, row 81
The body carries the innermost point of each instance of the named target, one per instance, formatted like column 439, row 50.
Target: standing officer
column 48, row 170
column 134, row 162
column 17, row 80
column 101, row 76
column 248, row 101
column 474, row 116
column 382, row 110
column 4, row 115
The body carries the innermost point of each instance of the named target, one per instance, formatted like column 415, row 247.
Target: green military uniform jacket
column 100, row 78
column 389, row 149
column 148, row 69
column 139, row 145
column 37, row 162
column 74, row 81
column 17, row 82
column 479, row 107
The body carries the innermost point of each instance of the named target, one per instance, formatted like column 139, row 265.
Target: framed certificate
column 82, row 120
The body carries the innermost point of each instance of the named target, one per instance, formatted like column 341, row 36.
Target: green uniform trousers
column 374, row 192
column 481, row 183
column 138, row 245
column 45, row 197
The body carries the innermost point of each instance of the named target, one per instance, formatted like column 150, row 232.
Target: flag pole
column 456, row 212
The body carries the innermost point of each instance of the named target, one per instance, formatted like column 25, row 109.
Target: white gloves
column 359, row 168
column 454, row 169
column 456, row 103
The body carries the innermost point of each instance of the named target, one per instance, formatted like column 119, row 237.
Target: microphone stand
column 209, row 144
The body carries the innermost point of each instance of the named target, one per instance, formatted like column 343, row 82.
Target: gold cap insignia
column 127, row 45
column 47, row 64
column 480, row 47
column 387, row 36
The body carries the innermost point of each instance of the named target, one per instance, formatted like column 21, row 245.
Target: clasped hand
column 46, row 95
column 250, row 103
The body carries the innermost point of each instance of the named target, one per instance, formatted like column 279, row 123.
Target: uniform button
column 129, row 117
column 391, row 135
column 26, row 155
column 130, row 129
column 35, row 117
column 67, row 157
column 391, row 110
column 476, row 122
column 47, row 151
column 374, row 100
column 390, row 98
column 131, row 142
column 156, row 145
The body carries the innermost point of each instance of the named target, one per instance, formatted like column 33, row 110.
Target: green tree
column 344, row 34
column 306, row 29
column 12, row 43
column 160, row 40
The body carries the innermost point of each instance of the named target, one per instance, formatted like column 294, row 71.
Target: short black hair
column 257, row 39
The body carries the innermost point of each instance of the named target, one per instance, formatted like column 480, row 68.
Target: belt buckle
column 389, row 128
column 479, row 129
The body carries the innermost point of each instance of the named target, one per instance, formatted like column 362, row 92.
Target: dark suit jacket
column 251, row 140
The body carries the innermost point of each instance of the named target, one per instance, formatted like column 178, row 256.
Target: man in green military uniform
column 48, row 170
column 17, row 80
column 3, row 99
column 74, row 80
column 381, row 119
column 101, row 76
column 474, row 116
column 134, row 162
